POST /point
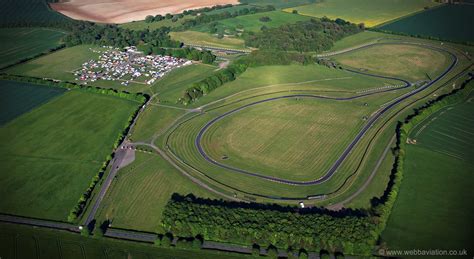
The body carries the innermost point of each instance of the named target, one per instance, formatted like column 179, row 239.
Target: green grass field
column 405, row 61
column 252, row 22
column 20, row 241
column 313, row 77
column 153, row 121
column 445, row 22
column 433, row 209
column 58, row 65
column 14, row 12
column 206, row 39
column 141, row 190
column 358, row 39
column 18, row 98
column 364, row 11
column 171, row 87
column 49, row 155
column 291, row 139
column 20, row 43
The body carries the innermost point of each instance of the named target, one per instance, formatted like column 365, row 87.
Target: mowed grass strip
column 437, row 185
column 369, row 12
column 296, row 139
column 21, row 43
column 153, row 121
column 49, row 155
column 141, row 191
column 18, row 98
column 171, row 87
column 404, row 61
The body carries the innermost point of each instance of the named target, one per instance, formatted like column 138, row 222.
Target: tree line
column 270, row 225
column 193, row 12
column 188, row 53
column 314, row 35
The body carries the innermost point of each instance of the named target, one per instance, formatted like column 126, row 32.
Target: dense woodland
column 305, row 36
column 283, row 227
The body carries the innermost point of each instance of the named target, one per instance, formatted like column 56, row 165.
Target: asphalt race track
column 354, row 142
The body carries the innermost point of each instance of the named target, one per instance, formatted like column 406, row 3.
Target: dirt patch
column 122, row 11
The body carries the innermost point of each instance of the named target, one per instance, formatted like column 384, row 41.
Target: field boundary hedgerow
column 139, row 98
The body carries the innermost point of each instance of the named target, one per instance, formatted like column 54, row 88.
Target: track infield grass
column 20, row 43
column 290, row 138
column 363, row 11
column 49, row 155
column 410, row 62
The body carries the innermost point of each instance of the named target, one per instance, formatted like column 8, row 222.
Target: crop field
column 252, row 22
column 13, row 12
column 141, row 191
column 171, row 86
column 21, row 43
column 49, row 155
column 410, row 62
column 437, row 184
column 19, row 98
column 20, row 241
column 206, row 39
column 364, row 11
column 445, row 22
column 293, row 138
